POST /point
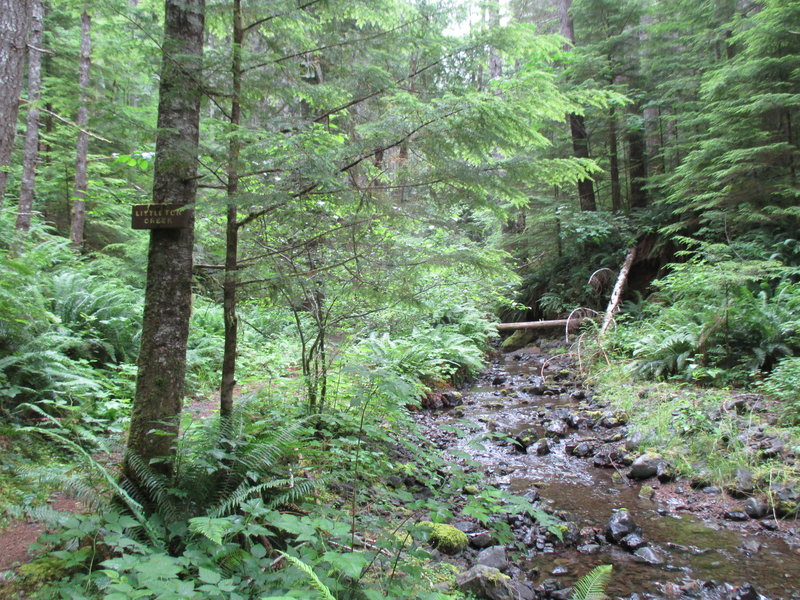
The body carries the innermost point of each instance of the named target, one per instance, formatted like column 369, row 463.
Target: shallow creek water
column 692, row 549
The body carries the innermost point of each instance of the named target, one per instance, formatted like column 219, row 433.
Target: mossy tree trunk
column 168, row 295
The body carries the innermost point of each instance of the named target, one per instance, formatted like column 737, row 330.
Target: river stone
column 645, row 466
column 482, row 539
column 634, row 441
column 744, row 484
column 466, row 526
column 632, row 542
column 583, row 450
column 648, row 555
column 755, row 508
column 620, row 525
column 735, row 515
column 495, row 557
column 589, row 548
column 557, row 429
column 541, row 448
column 491, row 584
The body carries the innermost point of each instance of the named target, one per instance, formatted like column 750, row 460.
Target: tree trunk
column 15, row 16
column 78, row 219
column 168, row 295
column 616, row 294
column 232, row 229
column 637, row 167
column 577, row 125
column 31, row 146
column 613, row 163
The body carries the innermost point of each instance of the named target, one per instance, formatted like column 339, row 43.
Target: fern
column 592, row 585
column 321, row 588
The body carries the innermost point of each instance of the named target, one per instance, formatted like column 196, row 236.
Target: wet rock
column 495, row 557
column 648, row 555
column 576, row 420
column 563, row 594
column 736, row 515
column 746, row 591
column 578, row 395
column 750, row 547
column 481, row 539
column 634, row 441
column 524, row 440
column 711, row 490
column 755, row 508
column 540, row 448
column 583, row 450
column 646, row 492
column 785, row 500
column 589, row 548
column 646, row 466
column 466, row 526
column 499, row 380
column 769, row 525
column 744, row 484
column 610, row 419
column 620, row 525
column 557, row 429
column 491, row 584
column 632, row 542
column 560, row 571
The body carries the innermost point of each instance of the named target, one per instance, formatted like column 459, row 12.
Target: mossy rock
column 446, row 538
column 519, row 339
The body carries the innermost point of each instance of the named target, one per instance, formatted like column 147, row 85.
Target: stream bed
column 691, row 556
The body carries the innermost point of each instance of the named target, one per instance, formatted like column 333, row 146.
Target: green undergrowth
column 700, row 432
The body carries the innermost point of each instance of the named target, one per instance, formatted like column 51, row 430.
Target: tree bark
column 168, row 295
column 613, row 163
column 573, row 323
column 78, row 218
column 231, row 229
column 15, row 17
column 616, row 294
column 577, row 124
column 31, row 146
column 637, row 166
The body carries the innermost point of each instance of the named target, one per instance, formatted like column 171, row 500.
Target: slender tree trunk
column 577, row 124
column 613, row 166
column 637, row 167
column 168, row 295
column 31, row 146
column 15, row 17
column 232, row 230
column 78, row 220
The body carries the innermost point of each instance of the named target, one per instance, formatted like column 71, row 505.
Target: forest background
column 376, row 182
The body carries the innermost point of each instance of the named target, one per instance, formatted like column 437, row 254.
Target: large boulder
column 489, row 583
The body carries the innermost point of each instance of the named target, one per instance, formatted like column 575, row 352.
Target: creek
column 511, row 398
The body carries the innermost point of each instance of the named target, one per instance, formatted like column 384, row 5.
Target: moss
column 446, row 538
column 646, row 491
column 519, row 339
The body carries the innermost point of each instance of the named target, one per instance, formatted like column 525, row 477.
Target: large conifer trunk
column 15, row 16
column 31, row 146
column 168, row 296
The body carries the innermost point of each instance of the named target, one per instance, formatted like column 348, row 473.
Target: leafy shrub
column 784, row 385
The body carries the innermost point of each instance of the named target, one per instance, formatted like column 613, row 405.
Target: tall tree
column 168, row 296
column 15, row 16
column 78, row 220
column 31, row 145
column 577, row 124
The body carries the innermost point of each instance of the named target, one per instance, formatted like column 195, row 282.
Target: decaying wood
column 573, row 324
column 616, row 295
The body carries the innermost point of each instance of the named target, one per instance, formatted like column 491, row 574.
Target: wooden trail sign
column 160, row 216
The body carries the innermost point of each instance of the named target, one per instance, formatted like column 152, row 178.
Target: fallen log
column 573, row 324
column 616, row 295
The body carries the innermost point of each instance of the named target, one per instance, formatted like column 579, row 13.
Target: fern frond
column 592, row 585
column 323, row 590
